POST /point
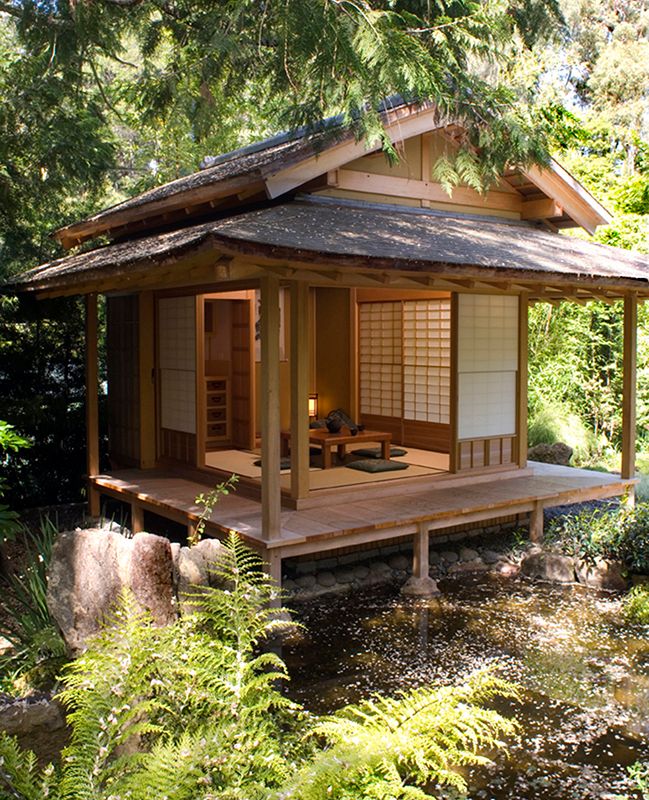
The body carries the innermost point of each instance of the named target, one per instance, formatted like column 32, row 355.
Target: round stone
column 450, row 556
column 326, row 578
column 468, row 554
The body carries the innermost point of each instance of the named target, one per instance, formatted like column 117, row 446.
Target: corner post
column 523, row 317
column 629, row 384
column 92, row 403
column 536, row 523
column 270, row 409
column 299, row 389
column 146, row 359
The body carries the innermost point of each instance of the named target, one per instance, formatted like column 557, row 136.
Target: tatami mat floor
column 421, row 462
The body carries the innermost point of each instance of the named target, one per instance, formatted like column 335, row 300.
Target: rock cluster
column 558, row 453
column 90, row 568
column 37, row 721
column 546, row 565
column 396, row 568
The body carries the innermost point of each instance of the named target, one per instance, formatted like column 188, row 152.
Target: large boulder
column 608, row 575
column 558, row 453
column 545, row 566
column 90, row 568
column 195, row 569
column 151, row 575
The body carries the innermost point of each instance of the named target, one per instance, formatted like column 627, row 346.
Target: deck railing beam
column 270, row 408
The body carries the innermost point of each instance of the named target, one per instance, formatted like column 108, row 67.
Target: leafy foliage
column 209, row 501
column 194, row 710
column 37, row 650
column 636, row 605
column 10, row 442
column 620, row 534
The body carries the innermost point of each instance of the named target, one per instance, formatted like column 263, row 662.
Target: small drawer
column 216, row 385
column 216, row 429
column 216, row 399
column 216, row 415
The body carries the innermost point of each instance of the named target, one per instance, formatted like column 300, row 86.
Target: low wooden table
column 326, row 440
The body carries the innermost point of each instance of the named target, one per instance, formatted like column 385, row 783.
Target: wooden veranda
column 406, row 508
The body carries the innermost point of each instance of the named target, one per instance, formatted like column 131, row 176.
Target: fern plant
column 194, row 711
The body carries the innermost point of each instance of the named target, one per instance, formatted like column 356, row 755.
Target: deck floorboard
column 372, row 517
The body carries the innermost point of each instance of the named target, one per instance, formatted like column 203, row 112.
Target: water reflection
column 586, row 674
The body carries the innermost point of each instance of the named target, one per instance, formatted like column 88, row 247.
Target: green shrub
column 193, row 710
column 555, row 422
column 636, row 605
column 37, row 650
column 620, row 534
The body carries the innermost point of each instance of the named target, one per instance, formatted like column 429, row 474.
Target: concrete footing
column 420, row 587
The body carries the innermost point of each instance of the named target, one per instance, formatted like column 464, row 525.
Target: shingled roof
column 334, row 233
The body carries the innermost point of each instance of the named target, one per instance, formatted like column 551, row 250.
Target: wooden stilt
column 629, row 385
column 92, row 402
column 137, row 518
column 299, row 389
column 273, row 566
column 420, row 584
column 270, row 409
column 536, row 523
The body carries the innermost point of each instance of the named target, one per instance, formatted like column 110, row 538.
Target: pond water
column 585, row 673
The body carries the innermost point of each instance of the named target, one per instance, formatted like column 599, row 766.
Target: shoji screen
column 380, row 359
column 426, row 360
column 177, row 361
column 487, row 365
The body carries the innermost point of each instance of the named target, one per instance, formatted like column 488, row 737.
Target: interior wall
column 333, row 349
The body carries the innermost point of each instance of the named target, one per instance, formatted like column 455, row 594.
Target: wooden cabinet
column 217, row 411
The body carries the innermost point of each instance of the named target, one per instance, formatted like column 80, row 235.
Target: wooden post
column 454, row 461
column 629, row 384
column 420, row 584
column 137, row 518
column 92, row 402
column 146, row 357
column 299, row 389
column 521, row 427
column 536, row 523
column 270, row 409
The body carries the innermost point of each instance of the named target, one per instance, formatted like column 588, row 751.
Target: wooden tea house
column 303, row 274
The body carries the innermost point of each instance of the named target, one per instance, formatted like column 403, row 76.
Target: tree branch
column 8, row 8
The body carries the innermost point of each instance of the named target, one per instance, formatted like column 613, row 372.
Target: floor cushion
column 284, row 463
column 377, row 465
column 375, row 452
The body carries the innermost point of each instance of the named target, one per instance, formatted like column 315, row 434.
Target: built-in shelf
column 217, row 411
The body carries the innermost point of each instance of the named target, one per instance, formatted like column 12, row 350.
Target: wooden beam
column 299, row 389
column 146, row 366
column 420, row 584
column 544, row 208
column 356, row 181
column 521, row 421
column 400, row 124
column 270, row 409
column 629, row 385
column 92, row 402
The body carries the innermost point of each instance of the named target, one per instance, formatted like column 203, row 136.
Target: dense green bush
column 620, row 534
column 193, row 711
column 636, row 605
